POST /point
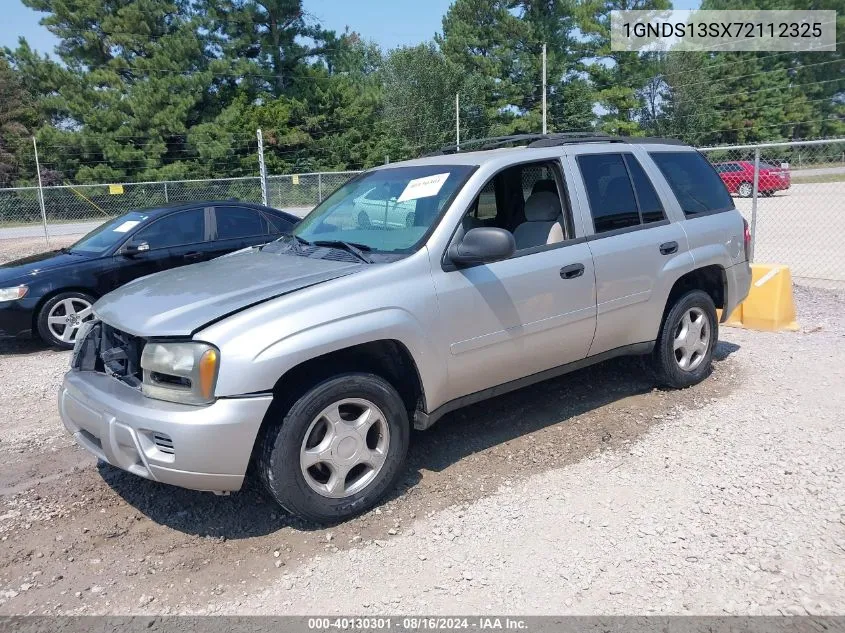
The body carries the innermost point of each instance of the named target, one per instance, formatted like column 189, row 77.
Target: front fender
column 260, row 372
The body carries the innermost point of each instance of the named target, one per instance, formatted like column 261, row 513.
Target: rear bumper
column 738, row 284
column 201, row 448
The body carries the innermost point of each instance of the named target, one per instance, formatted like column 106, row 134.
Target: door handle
column 572, row 271
column 668, row 248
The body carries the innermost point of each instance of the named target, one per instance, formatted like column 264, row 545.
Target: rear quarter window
column 695, row 183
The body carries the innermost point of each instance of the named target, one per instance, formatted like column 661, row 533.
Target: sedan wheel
column 745, row 190
column 61, row 316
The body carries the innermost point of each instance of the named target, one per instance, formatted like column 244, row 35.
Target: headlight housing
column 14, row 293
column 180, row 372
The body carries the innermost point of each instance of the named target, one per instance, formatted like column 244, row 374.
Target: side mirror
column 133, row 248
column 482, row 246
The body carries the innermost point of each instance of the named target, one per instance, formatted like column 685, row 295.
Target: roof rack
column 549, row 140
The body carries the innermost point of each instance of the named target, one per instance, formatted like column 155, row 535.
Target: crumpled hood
column 180, row 301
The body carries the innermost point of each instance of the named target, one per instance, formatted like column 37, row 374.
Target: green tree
column 618, row 76
column 263, row 41
column 136, row 78
column 420, row 85
column 17, row 117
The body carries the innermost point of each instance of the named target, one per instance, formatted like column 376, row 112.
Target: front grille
column 111, row 351
column 164, row 443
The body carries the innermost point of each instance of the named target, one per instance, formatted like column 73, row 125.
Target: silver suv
column 308, row 360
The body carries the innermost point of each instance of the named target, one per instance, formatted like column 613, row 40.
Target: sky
column 390, row 23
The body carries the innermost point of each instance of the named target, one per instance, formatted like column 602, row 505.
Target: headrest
column 542, row 206
column 544, row 185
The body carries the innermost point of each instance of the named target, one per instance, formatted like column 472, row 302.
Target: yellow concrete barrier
column 769, row 306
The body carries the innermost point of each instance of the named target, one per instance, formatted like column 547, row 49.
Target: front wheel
column 684, row 350
column 745, row 190
column 60, row 317
column 338, row 450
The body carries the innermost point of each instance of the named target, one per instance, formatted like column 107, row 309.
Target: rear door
column 638, row 250
column 238, row 227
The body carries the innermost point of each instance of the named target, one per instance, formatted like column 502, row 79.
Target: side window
column 694, row 182
column 486, row 208
column 275, row 224
column 651, row 209
column 612, row 202
column 235, row 222
column 525, row 200
column 179, row 229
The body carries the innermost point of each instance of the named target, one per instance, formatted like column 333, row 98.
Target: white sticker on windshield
column 423, row 187
column 126, row 226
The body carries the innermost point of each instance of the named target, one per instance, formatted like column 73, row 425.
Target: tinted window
column 235, row 222
column 696, row 185
column 277, row 224
column 650, row 207
column 612, row 202
column 185, row 227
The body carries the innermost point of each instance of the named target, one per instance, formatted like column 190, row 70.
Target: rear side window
column 235, row 222
column 609, row 190
column 694, row 182
column 620, row 193
column 651, row 208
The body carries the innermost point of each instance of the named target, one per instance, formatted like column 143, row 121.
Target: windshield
column 108, row 234
column 386, row 210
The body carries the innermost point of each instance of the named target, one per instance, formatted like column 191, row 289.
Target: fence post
column 262, row 168
column 41, row 192
column 320, row 187
column 755, row 194
column 544, row 90
column 458, row 121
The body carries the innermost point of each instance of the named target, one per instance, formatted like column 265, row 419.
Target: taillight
column 747, row 239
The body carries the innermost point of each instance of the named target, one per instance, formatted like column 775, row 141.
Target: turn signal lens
column 208, row 373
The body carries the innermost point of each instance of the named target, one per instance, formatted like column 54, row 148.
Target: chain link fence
column 793, row 196
column 76, row 209
column 795, row 202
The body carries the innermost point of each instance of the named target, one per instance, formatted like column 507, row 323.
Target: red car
column 738, row 177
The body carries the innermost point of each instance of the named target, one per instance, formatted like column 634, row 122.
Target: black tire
column 44, row 331
column 668, row 371
column 278, row 459
column 750, row 190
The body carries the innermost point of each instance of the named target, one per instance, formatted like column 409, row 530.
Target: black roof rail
column 549, row 140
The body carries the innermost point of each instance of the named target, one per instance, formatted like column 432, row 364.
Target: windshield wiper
column 353, row 247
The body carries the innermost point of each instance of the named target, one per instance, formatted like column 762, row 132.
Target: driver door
column 174, row 240
column 510, row 319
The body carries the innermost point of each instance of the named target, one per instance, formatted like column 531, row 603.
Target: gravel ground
column 21, row 247
column 592, row 493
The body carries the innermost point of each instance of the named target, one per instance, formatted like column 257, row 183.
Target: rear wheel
column 684, row 350
column 338, row 450
column 60, row 317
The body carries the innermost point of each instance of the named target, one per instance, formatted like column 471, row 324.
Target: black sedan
column 51, row 294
